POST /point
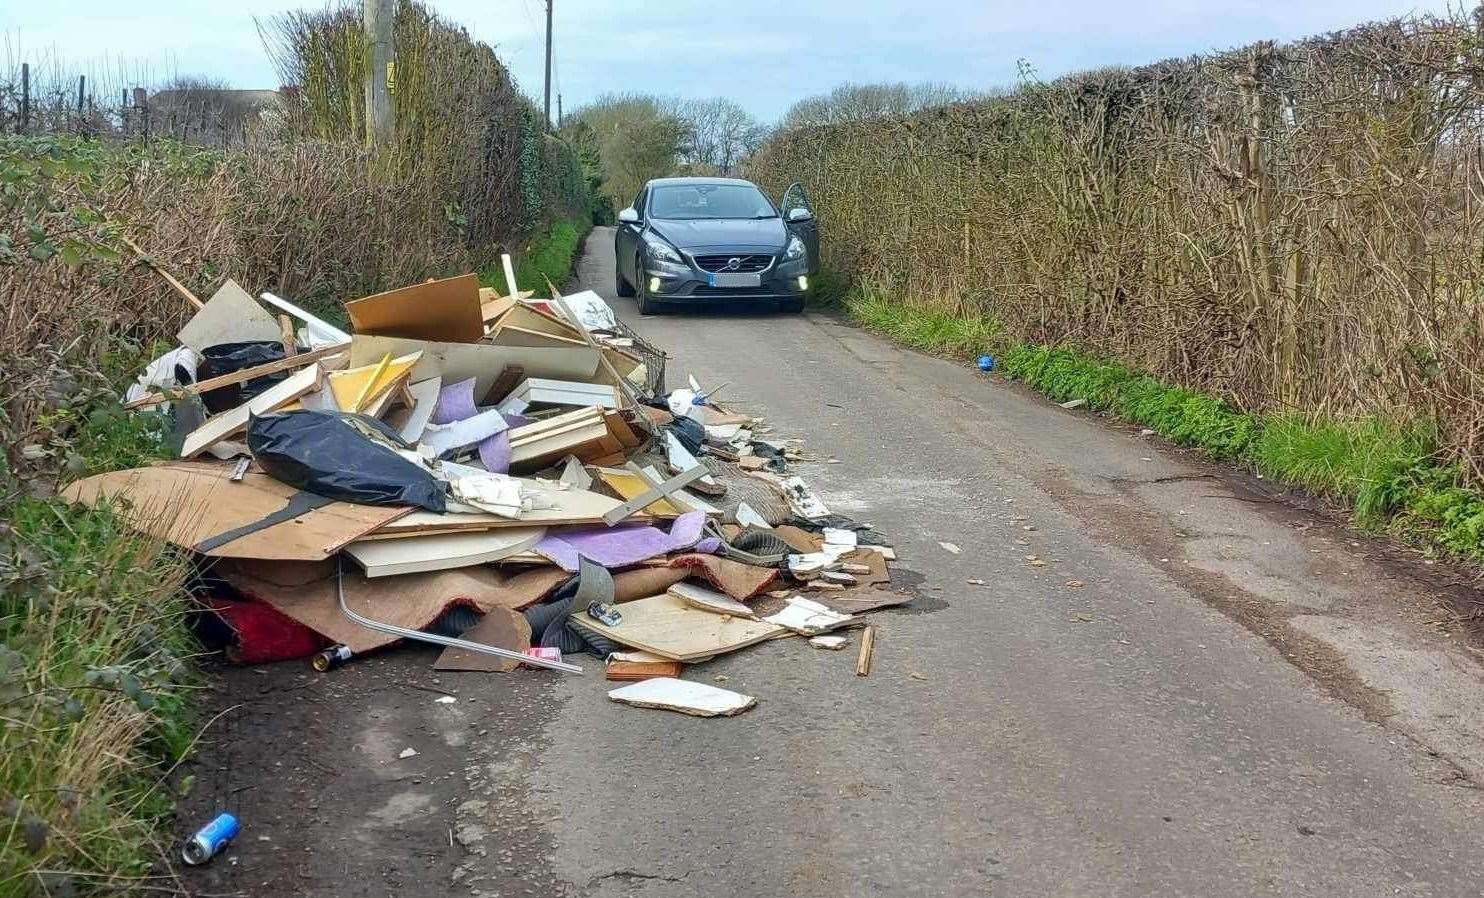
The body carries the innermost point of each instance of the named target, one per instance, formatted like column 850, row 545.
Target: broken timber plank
column 237, row 377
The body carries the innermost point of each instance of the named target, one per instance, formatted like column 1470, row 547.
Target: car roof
column 663, row 182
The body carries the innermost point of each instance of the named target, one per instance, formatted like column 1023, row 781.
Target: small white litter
column 408, row 753
column 950, row 548
column 670, row 694
column 832, row 643
column 808, row 617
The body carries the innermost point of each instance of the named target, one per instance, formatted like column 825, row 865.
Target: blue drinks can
column 210, row 839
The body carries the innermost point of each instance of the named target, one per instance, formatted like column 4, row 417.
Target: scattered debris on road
column 501, row 475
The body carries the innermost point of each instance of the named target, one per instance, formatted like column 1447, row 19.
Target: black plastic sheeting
column 323, row 453
column 225, row 358
column 549, row 627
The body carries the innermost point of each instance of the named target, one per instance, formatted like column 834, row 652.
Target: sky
column 765, row 54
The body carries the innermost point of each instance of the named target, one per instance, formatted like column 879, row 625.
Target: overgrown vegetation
column 1291, row 227
column 94, row 679
column 549, row 257
column 93, row 668
column 1388, row 472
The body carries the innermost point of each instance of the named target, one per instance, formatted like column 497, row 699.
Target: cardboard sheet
column 500, row 627
column 186, row 503
column 446, row 311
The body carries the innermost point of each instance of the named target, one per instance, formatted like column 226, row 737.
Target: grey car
column 695, row 240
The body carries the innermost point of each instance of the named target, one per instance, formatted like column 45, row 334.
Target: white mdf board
column 439, row 552
column 459, row 361
column 232, row 421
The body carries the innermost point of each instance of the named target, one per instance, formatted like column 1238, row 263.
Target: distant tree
column 861, row 102
column 720, row 134
column 634, row 138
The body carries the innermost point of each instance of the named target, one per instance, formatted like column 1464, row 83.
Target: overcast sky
column 763, row 53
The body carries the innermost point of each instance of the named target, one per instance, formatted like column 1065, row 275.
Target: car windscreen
column 692, row 201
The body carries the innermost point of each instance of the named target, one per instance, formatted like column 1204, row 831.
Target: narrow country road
column 1139, row 676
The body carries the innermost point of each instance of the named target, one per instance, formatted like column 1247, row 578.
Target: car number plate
column 730, row 279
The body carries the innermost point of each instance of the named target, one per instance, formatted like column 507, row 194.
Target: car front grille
column 704, row 290
column 745, row 263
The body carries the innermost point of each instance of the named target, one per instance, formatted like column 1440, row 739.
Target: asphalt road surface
column 1140, row 675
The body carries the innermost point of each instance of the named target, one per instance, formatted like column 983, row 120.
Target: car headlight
column 660, row 251
column 795, row 249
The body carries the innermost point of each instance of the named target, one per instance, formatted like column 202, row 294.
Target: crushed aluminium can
column 210, row 839
column 545, row 652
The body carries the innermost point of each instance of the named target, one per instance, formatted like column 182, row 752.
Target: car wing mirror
column 629, row 216
column 799, row 214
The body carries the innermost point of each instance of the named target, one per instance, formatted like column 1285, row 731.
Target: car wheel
column 622, row 287
column 647, row 306
column 795, row 305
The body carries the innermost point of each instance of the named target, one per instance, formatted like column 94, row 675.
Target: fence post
column 82, row 120
column 124, row 112
column 25, row 97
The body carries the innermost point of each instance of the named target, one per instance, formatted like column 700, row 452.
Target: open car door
column 798, row 215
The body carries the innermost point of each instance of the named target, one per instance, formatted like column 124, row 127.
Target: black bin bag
column 327, row 453
column 226, row 358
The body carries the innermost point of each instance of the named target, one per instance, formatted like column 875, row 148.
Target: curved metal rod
column 449, row 641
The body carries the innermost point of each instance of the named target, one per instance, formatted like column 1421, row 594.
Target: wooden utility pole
column 559, row 112
column 26, row 84
column 377, row 17
column 548, row 63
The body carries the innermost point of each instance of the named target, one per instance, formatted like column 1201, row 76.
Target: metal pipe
column 434, row 638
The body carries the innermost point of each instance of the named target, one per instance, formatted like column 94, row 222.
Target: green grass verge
column 548, row 256
column 1387, row 471
column 94, row 678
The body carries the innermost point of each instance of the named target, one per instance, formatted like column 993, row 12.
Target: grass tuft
column 921, row 328
column 549, row 256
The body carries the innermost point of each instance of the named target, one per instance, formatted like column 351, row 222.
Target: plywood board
column 231, row 315
column 186, row 503
column 447, row 311
column 666, row 626
column 460, row 361
column 529, row 318
column 441, row 552
column 233, row 421
column 510, row 335
column 492, row 306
